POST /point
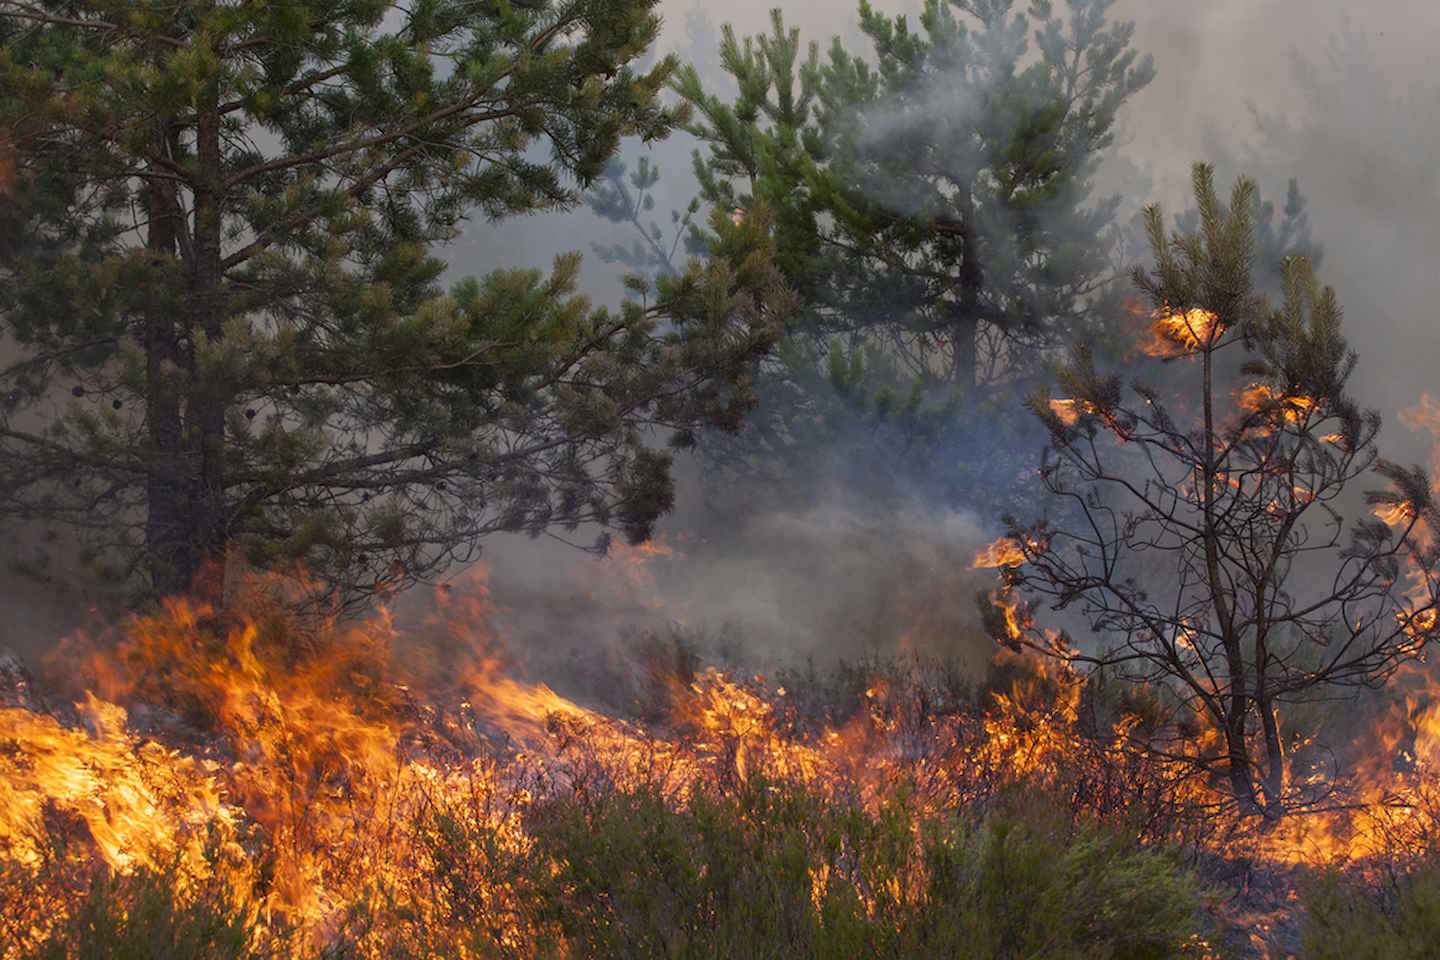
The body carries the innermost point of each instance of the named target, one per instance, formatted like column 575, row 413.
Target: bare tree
column 1200, row 529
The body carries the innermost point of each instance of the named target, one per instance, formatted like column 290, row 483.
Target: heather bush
column 1347, row 919
column 775, row 871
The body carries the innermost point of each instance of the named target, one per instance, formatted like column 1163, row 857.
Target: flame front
column 317, row 764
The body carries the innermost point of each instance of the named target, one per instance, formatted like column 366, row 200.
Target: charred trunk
column 1237, row 760
column 1273, row 784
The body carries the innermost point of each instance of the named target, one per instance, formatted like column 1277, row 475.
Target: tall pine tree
column 220, row 285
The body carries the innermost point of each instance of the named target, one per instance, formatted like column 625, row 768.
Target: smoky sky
column 1339, row 97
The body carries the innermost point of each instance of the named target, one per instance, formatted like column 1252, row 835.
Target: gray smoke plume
column 1276, row 90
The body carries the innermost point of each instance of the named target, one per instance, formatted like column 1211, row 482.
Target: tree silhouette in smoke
column 1204, row 538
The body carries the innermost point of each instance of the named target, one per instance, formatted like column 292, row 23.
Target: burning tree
column 225, row 321
column 1200, row 528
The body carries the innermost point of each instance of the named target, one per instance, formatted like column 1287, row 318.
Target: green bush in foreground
column 1345, row 920
column 778, row 872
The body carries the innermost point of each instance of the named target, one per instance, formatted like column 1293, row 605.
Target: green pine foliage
column 623, row 197
column 933, row 199
column 219, row 278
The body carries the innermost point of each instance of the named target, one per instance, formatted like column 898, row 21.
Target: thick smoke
column 1276, row 90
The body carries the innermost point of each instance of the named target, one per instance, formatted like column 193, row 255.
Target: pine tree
column 1201, row 530
column 934, row 213
column 938, row 198
column 220, row 282
column 622, row 197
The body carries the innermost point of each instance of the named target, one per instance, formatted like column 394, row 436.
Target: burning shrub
column 142, row 916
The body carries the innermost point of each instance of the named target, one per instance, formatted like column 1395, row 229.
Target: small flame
column 1004, row 552
column 1395, row 514
column 1188, row 331
column 1294, row 408
column 1069, row 411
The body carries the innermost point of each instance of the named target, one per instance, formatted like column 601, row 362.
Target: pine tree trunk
column 1274, row 782
column 1237, row 757
column 963, row 353
column 1237, row 751
column 210, row 397
column 184, row 526
column 166, row 493
column 966, row 325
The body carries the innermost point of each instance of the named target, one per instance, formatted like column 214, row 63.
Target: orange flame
column 1004, row 552
column 1186, row 331
column 1069, row 411
column 1394, row 514
column 1294, row 408
column 316, row 754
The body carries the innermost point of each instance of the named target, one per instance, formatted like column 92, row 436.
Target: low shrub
column 142, row 917
column 1348, row 919
column 775, row 871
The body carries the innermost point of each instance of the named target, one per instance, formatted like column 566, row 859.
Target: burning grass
column 264, row 787
column 308, row 790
